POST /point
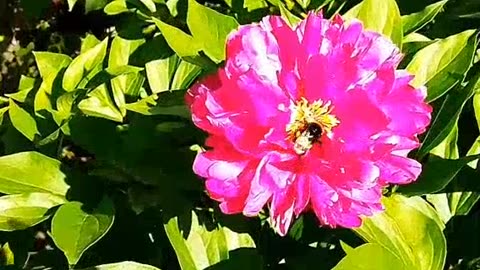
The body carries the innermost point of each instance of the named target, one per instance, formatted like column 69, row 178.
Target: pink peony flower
column 314, row 116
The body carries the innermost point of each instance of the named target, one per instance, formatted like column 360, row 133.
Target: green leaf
column 251, row 5
column 382, row 16
column 2, row 112
column 91, row 5
column 202, row 248
column 42, row 100
column 118, row 89
column 49, row 65
column 122, row 266
column 448, row 114
column 436, row 175
column 26, row 85
column 379, row 258
column 7, row 256
column 210, row 29
column 150, row 5
column 415, row 21
column 99, row 104
column 160, row 73
column 353, row 12
column 461, row 203
column 303, row 3
column 23, row 121
column 71, row 4
column 185, row 74
column 448, row 148
column 21, row 211
column 168, row 103
column 83, row 64
column 443, row 64
column 288, row 16
column 89, row 42
column 183, row 44
column 411, row 229
column 121, row 49
column 476, row 107
column 130, row 83
column 31, row 172
column 116, row 7
column 74, row 230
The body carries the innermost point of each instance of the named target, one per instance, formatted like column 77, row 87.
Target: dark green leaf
column 448, row 114
column 415, row 21
column 436, row 175
column 74, row 230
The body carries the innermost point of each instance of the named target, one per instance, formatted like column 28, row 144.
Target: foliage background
column 96, row 144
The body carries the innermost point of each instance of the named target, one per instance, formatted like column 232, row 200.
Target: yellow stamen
column 304, row 114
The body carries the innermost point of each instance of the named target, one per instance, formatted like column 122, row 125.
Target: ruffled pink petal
column 247, row 105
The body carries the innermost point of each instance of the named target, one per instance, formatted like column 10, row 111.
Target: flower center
column 309, row 122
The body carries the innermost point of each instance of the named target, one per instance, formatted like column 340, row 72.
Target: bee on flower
column 314, row 116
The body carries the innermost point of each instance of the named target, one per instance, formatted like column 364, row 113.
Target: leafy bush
column 97, row 144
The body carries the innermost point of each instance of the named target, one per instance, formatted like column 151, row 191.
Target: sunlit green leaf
column 443, row 64
column 71, row 4
column 160, row 73
column 183, row 44
column 23, row 121
column 254, row 4
column 21, row 211
column 116, row 7
column 88, row 43
column 121, row 49
column 202, row 247
column 26, row 85
column 83, row 64
column 31, row 172
column 379, row 258
column 49, row 65
column 409, row 228
column 288, row 16
column 185, row 74
column 74, row 230
column 122, row 266
column 99, row 104
column 382, row 16
column 210, row 29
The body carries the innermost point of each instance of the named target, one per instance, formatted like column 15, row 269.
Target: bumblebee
column 307, row 138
